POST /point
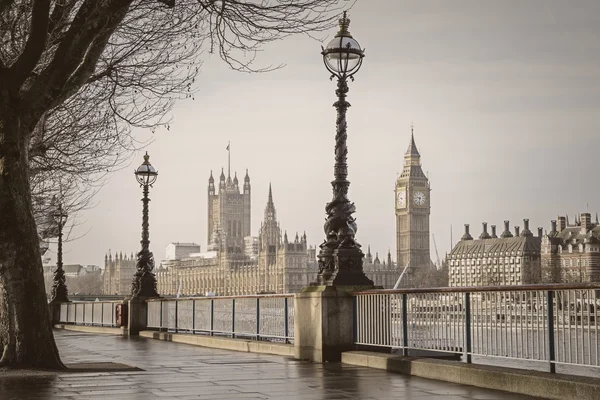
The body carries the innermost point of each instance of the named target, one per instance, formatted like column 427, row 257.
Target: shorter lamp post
column 340, row 257
column 144, row 280
column 59, row 287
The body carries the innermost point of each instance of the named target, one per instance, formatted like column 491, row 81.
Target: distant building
column 178, row 251
column 382, row 273
column 73, row 270
column 413, row 207
column 571, row 253
column 118, row 274
column 492, row 260
column 90, row 269
column 237, row 263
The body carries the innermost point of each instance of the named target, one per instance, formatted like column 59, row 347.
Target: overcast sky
column 504, row 96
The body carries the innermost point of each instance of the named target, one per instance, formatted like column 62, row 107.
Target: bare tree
column 118, row 56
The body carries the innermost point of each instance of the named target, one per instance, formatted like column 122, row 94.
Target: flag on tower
column 227, row 146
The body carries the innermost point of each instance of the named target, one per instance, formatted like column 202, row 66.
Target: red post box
column 121, row 315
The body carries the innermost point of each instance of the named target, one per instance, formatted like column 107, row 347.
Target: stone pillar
column 137, row 316
column 323, row 326
column 54, row 311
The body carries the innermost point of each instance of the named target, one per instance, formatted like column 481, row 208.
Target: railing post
column 354, row 320
column 67, row 317
column 258, row 318
column 233, row 318
column 176, row 315
column 550, row 313
column 404, row 324
column 160, row 323
column 468, row 327
column 102, row 315
column 212, row 317
column 193, row 316
column 83, row 317
column 285, row 322
column 93, row 314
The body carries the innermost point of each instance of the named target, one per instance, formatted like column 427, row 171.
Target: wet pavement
column 178, row 371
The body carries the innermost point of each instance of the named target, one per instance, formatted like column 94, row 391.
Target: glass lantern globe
column 343, row 54
column 146, row 174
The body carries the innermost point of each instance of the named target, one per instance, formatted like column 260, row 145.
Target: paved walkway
column 178, row 371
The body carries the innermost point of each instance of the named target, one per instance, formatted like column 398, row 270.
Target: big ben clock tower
column 412, row 211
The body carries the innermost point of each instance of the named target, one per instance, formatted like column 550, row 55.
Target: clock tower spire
column 412, row 208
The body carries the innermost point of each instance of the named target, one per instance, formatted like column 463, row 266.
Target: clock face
column 401, row 199
column 419, row 198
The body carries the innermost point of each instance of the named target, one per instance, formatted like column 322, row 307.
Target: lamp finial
column 344, row 24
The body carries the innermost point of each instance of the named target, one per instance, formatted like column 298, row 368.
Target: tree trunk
column 26, row 339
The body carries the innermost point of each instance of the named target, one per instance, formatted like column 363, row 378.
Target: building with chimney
column 571, row 252
column 489, row 260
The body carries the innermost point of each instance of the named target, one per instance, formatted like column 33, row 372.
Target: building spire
column 412, row 147
column 270, row 201
column 228, row 159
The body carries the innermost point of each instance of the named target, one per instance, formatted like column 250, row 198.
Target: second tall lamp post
column 340, row 257
column 59, row 292
column 144, row 280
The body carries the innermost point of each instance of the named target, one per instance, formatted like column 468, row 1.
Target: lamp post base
column 348, row 270
column 144, row 280
column 59, row 295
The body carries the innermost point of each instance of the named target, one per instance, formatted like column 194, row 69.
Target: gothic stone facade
column 412, row 205
column 118, row 274
column 227, row 267
column 492, row 260
column 571, row 253
column 382, row 273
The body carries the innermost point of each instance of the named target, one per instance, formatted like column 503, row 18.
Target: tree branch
column 86, row 68
column 36, row 43
column 5, row 4
column 89, row 23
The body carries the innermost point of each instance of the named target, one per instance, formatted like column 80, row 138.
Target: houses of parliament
column 237, row 263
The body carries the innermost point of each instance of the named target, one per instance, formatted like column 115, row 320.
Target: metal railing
column 93, row 313
column 556, row 324
column 260, row 317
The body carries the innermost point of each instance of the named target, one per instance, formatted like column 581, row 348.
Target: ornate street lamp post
column 340, row 257
column 59, row 288
column 144, row 280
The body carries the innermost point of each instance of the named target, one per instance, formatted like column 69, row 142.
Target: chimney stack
column 553, row 231
column 467, row 236
column 506, row 233
column 586, row 222
column 494, row 236
column 562, row 223
column 517, row 231
column 526, row 232
column 540, row 231
column 484, row 234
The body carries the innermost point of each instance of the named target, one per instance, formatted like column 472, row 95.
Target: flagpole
column 228, row 159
